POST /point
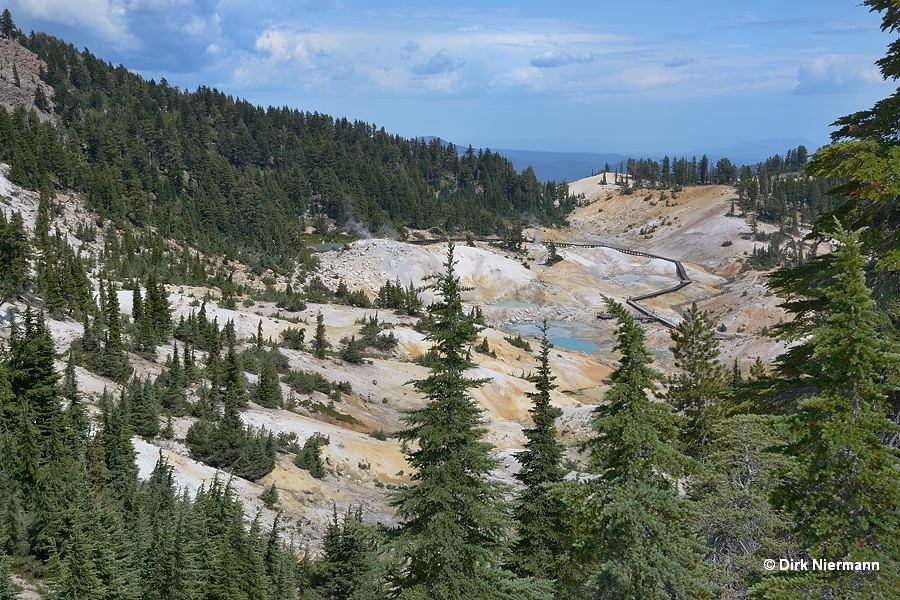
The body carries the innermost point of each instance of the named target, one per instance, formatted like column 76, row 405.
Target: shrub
column 519, row 342
column 379, row 434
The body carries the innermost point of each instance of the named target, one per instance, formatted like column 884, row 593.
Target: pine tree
column 537, row 509
column 144, row 337
column 234, row 377
column 644, row 531
column 701, row 378
column 843, row 493
column 269, row 496
column 77, row 577
column 736, row 377
column 157, row 309
column 118, row 451
column 11, row 526
column 757, row 370
column 453, row 529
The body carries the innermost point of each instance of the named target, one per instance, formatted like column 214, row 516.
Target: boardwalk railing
column 684, row 280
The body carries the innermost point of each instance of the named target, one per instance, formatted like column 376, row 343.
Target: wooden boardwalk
column 633, row 301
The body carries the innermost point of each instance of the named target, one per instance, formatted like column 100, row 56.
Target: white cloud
column 284, row 46
column 443, row 61
column 834, row 73
column 556, row 58
column 105, row 17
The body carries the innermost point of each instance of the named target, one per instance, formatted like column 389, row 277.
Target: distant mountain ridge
column 558, row 166
column 572, row 166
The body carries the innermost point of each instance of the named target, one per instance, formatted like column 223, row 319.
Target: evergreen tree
column 269, row 496
column 741, row 527
column 736, row 377
column 643, row 530
column 144, row 337
column 320, row 344
column 15, row 252
column 234, row 377
column 757, row 370
column 7, row 26
column 843, row 492
column 144, row 408
column 6, row 589
column 77, row 576
column 118, row 451
column 453, row 530
column 268, row 388
column 701, row 378
column 157, row 309
column 310, row 457
column 351, row 352
column 114, row 362
column 76, row 417
column 349, row 567
column 257, row 457
column 537, row 510
column 33, row 379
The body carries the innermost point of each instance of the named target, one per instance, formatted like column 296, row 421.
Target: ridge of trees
column 220, row 174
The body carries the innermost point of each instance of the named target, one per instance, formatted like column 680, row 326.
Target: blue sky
column 638, row 76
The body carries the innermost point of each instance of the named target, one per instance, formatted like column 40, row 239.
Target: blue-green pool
column 559, row 337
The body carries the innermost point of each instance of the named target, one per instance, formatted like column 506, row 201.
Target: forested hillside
column 695, row 482
column 222, row 174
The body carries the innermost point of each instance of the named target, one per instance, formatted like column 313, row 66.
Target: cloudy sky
column 628, row 76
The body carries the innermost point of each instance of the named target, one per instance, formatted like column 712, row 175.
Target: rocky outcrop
column 20, row 71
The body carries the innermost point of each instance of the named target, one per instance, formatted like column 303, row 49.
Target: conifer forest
column 151, row 238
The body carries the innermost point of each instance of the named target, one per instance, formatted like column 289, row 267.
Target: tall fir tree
column 453, row 529
column 118, row 451
column 645, row 532
column 537, row 509
column 320, row 343
column 268, row 388
column 738, row 522
column 349, row 567
column 844, row 491
column 114, row 363
column 694, row 389
column 76, row 416
column 143, row 408
column 34, row 380
column 6, row 589
column 15, row 254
